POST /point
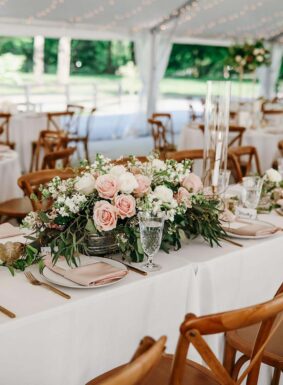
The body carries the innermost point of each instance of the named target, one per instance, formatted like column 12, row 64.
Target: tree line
column 90, row 57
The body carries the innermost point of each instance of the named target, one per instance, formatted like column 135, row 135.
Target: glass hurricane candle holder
column 217, row 110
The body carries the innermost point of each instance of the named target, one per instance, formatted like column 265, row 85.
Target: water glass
column 151, row 228
column 252, row 186
column 280, row 166
column 223, row 181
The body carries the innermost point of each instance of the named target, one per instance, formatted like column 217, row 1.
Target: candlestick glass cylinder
column 217, row 112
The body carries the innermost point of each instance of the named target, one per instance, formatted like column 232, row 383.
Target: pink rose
column 183, row 196
column 192, row 183
column 107, row 186
column 126, row 205
column 144, row 183
column 104, row 216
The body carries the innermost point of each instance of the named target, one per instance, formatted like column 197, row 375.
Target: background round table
column 10, row 171
column 265, row 140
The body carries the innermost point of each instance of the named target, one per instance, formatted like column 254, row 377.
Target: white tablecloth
column 24, row 129
column 265, row 142
column 69, row 342
column 10, row 171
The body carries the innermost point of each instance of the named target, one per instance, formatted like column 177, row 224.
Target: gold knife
column 135, row 269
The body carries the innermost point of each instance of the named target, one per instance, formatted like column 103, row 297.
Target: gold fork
column 36, row 282
column 7, row 312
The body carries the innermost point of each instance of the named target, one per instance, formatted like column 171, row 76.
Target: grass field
column 176, row 87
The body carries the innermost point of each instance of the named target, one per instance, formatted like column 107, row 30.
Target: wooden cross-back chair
column 243, row 340
column 5, row 130
column 144, row 360
column 50, row 160
column 48, row 141
column 237, row 133
column 246, row 156
column 160, row 139
column 177, row 369
column 84, row 139
column 31, row 182
column 280, row 147
column 167, row 122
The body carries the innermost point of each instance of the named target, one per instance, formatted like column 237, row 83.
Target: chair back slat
column 167, row 121
column 90, row 119
column 76, row 118
column 250, row 152
column 237, row 133
column 54, row 120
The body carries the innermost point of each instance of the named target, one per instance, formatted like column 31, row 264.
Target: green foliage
column 19, row 46
column 197, row 61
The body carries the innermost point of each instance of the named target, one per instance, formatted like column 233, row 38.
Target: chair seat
column 243, row 340
column 75, row 138
column 16, row 208
column 195, row 374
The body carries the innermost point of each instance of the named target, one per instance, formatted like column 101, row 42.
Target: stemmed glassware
column 253, row 187
column 151, row 229
column 223, row 181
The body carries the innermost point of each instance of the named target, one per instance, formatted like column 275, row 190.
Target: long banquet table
column 265, row 140
column 57, row 341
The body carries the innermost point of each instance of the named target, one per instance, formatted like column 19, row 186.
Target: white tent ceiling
column 204, row 20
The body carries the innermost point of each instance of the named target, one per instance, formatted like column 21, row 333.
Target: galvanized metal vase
column 102, row 244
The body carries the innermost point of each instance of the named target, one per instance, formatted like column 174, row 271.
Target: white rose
column 158, row 164
column 259, row 58
column 273, row 175
column 163, row 193
column 238, row 58
column 117, row 170
column 127, row 183
column 85, row 184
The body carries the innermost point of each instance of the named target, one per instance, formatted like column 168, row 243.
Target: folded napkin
column 250, row 229
column 7, row 230
column 94, row 274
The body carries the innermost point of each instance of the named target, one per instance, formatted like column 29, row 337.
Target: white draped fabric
column 152, row 51
column 75, row 340
column 268, row 76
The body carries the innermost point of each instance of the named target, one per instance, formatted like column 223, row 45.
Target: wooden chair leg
column 276, row 376
column 229, row 358
column 86, row 150
column 33, row 149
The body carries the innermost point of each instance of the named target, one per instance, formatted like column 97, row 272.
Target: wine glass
column 252, row 186
column 151, row 228
column 223, row 181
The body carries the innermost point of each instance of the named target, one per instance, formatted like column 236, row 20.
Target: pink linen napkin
column 7, row 230
column 94, row 274
column 250, row 229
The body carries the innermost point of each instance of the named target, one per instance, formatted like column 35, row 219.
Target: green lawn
column 176, row 87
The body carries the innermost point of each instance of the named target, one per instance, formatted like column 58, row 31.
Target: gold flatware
column 233, row 242
column 135, row 269
column 7, row 312
column 36, row 282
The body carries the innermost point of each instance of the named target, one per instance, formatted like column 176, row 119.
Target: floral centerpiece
column 104, row 198
column 272, row 191
column 247, row 57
